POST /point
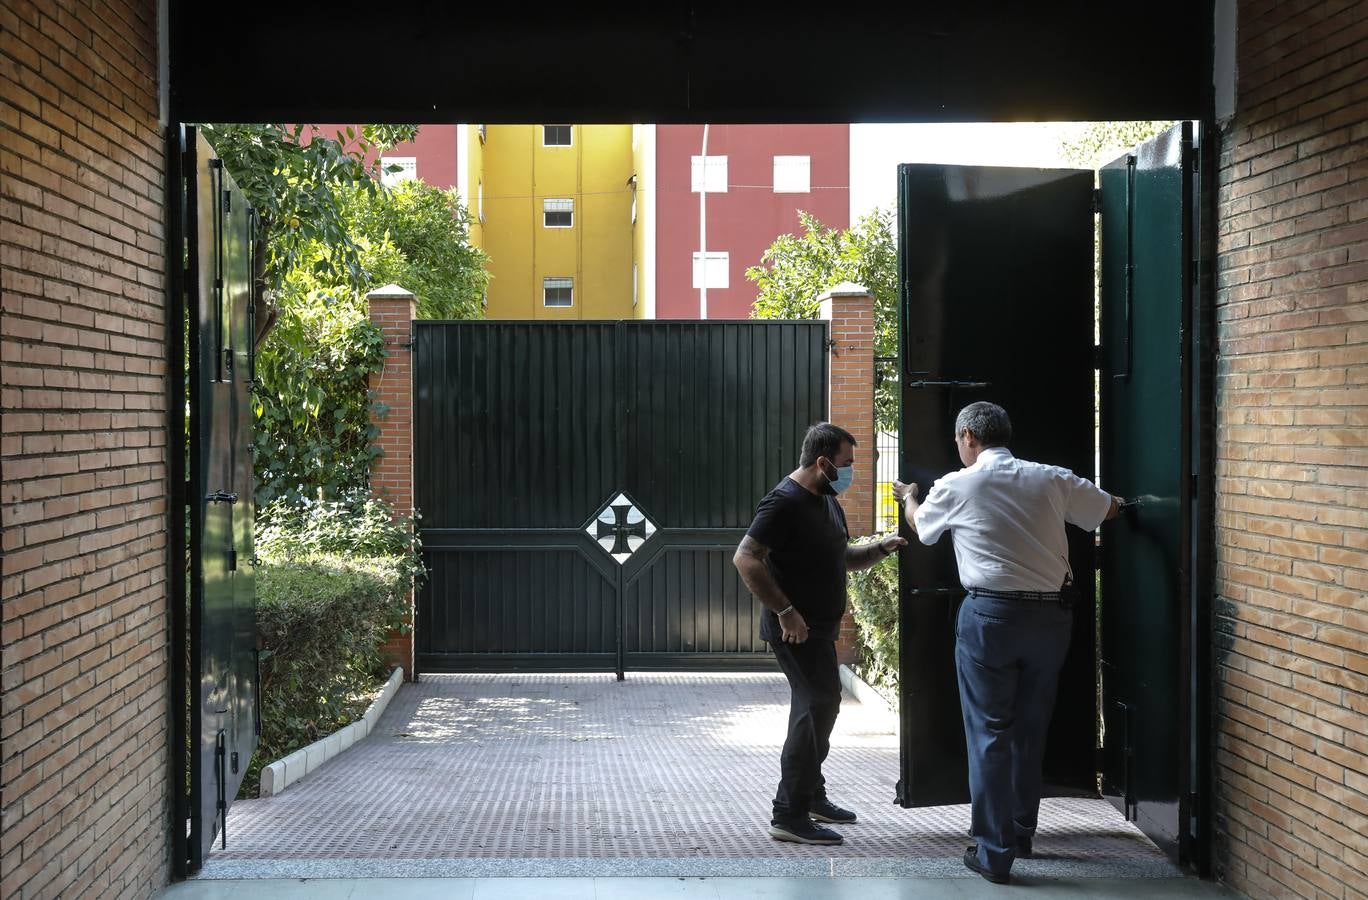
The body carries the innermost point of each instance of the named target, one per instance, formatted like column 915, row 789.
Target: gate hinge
column 1097, row 200
column 1097, row 357
column 232, row 567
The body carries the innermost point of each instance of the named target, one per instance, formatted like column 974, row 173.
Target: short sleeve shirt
column 807, row 537
column 1006, row 518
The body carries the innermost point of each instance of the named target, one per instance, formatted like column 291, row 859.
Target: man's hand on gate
column 795, row 627
column 902, row 491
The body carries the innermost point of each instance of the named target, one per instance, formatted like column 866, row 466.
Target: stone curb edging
column 282, row 773
column 863, row 692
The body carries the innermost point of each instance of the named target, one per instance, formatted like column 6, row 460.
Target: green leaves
column 332, row 233
column 1101, row 142
column 873, row 596
column 796, row 269
column 418, row 236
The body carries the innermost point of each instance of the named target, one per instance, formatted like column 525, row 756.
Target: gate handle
column 221, row 497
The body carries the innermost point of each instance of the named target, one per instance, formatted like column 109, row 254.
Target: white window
column 716, row 177
column 716, row 268
column 479, row 193
column 558, row 291
column 558, row 213
column 792, row 174
column 408, row 169
column 557, row 135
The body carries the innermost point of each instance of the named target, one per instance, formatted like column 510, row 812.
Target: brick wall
column 83, row 718
column 393, row 310
column 850, row 310
column 1292, row 447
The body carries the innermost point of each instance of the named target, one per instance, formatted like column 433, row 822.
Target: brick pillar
column 850, row 310
column 392, row 309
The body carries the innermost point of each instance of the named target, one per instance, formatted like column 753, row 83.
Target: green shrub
column 873, row 596
column 334, row 581
column 356, row 525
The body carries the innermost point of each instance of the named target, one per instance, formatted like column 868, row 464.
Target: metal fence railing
column 885, row 442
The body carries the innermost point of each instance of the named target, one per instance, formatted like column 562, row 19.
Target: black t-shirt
column 807, row 536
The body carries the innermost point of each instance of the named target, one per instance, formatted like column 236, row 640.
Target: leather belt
column 1034, row 596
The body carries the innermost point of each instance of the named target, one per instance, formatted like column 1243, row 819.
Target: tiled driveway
column 667, row 774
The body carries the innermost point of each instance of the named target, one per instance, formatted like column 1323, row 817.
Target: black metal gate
column 997, row 289
column 217, row 732
column 582, row 486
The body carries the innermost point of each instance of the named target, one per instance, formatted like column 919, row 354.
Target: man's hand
column 795, row 627
column 907, row 495
column 892, row 544
column 901, row 491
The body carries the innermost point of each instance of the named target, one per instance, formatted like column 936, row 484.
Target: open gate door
column 223, row 724
column 1147, row 653
column 996, row 281
column 996, row 288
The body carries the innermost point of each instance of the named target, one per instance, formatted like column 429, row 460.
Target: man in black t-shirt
column 794, row 559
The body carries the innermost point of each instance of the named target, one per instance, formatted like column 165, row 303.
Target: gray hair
column 987, row 421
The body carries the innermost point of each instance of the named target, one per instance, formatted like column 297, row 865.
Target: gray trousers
column 1008, row 654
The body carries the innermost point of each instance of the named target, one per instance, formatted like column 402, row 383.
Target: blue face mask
column 845, row 477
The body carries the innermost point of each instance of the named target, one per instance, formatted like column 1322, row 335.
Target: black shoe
column 823, row 810
column 803, row 832
column 1023, row 848
column 973, row 865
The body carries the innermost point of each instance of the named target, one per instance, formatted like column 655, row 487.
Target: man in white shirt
column 1006, row 518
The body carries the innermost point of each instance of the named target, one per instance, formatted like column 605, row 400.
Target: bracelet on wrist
column 785, row 611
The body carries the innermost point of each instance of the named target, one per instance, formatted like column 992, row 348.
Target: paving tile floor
column 664, row 774
column 693, row 889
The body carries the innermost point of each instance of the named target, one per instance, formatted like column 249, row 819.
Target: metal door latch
column 221, row 497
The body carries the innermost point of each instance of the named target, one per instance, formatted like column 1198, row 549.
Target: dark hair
column 823, row 439
column 987, row 421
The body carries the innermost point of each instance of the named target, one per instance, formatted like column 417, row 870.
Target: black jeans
column 815, row 683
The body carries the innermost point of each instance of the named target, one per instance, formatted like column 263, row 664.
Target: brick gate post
column 392, row 310
column 850, row 310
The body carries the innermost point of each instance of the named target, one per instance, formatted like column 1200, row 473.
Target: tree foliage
column 418, row 236
column 331, row 232
column 293, row 176
column 1101, row 142
column 796, row 269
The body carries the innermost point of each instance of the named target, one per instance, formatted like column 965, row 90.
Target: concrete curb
column 282, row 773
column 863, row 692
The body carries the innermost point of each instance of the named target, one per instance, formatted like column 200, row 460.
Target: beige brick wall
column 1292, row 449
column 83, row 718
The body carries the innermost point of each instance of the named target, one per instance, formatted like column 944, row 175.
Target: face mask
column 845, row 477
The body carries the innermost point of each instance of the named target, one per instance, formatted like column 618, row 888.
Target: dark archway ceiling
column 412, row 61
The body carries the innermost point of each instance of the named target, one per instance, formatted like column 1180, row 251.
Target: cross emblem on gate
column 620, row 528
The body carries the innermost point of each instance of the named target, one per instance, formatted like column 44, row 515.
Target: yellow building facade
column 553, row 208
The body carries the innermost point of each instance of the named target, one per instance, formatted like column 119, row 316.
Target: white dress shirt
column 1006, row 518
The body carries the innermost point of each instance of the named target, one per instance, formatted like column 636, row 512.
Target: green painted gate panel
column 996, row 276
column 1147, row 290
column 224, row 725
column 524, row 431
